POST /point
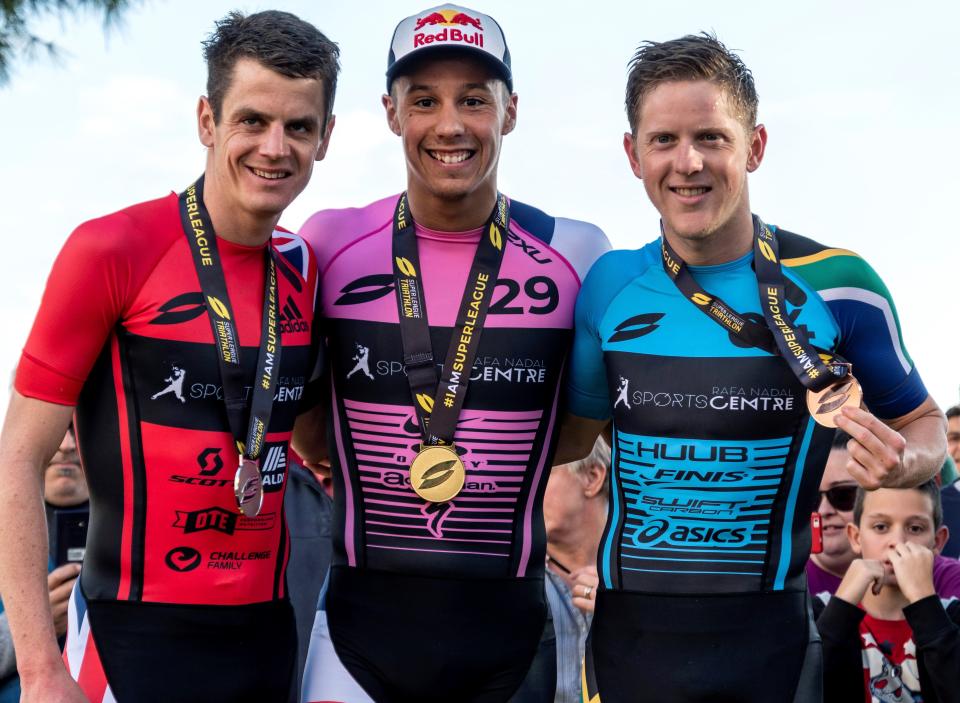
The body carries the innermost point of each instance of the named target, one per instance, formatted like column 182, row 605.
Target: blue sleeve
column 588, row 392
column 871, row 339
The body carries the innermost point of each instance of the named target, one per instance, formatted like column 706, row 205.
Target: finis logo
column 495, row 237
column 219, row 309
column 425, row 401
column 406, row 268
column 438, row 474
column 636, row 326
column 210, row 461
column 701, row 298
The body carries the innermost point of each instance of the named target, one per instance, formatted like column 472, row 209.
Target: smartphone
column 69, row 534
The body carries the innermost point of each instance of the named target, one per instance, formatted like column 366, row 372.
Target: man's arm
column 897, row 453
column 309, row 438
column 577, row 436
column 31, row 434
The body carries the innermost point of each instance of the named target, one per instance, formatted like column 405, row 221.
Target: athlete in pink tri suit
column 440, row 599
column 180, row 332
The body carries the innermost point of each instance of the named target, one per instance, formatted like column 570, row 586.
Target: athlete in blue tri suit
column 701, row 347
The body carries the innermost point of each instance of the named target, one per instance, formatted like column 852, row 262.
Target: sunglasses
column 841, row 497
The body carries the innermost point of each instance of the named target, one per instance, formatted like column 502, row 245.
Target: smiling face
column 693, row 153
column 836, row 546
column 891, row 516
column 451, row 114
column 262, row 150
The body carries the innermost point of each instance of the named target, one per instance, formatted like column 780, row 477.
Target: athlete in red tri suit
column 440, row 597
column 152, row 317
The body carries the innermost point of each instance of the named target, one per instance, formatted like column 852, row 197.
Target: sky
column 860, row 101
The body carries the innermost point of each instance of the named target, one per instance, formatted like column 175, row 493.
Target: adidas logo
column 291, row 320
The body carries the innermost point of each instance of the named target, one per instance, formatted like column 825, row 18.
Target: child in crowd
column 887, row 636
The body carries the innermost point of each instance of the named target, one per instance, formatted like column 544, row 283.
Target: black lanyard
column 438, row 404
column 779, row 336
column 206, row 259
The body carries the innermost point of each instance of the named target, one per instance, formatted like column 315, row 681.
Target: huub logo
column 834, row 397
column 438, row 474
column 636, row 326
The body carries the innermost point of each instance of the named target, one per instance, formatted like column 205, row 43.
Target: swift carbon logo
column 636, row 327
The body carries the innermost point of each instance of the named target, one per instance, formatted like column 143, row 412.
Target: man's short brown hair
column 280, row 41
column 695, row 57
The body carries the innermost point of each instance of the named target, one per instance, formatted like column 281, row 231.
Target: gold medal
column 248, row 487
column 437, row 474
column 826, row 404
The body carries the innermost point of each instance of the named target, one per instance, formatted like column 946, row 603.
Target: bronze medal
column 248, row 487
column 824, row 405
column 437, row 474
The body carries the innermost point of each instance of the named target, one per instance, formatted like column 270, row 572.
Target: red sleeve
column 91, row 284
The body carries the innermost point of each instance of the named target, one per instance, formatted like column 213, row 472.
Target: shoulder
column 294, row 250
column 826, row 268
column 580, row 243
column 148, row 224
column 330, row 231
column 611, row 273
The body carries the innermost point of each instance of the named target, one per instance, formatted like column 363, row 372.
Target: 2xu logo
column 182, row 559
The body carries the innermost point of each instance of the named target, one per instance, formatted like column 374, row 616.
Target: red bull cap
column 449, row 27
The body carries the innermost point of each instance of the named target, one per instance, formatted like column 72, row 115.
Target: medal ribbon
column 206, row 259
column 778, row 336
column 438, row 404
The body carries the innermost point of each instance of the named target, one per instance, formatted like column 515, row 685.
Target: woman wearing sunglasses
column 825, row 570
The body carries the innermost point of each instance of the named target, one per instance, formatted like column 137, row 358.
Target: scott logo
column 636, row 326
column 210, row 461
column 183, row 559
column 437, row 474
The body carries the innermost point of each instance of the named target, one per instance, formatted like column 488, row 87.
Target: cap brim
column 425, row 53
